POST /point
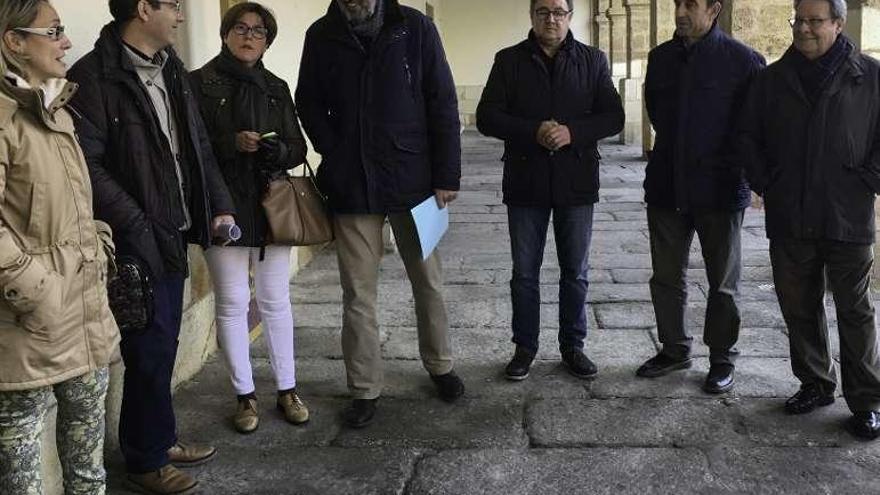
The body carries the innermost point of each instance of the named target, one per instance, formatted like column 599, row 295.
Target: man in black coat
column 694, row 85
column 156, row 183
column 811, row 138
column 550, row 98
column 377, row 100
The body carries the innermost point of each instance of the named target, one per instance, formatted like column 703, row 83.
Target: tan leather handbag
column 297, row 212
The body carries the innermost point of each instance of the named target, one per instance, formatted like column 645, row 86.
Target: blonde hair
column 15, row 14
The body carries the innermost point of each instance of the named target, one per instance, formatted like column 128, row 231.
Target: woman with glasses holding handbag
column 57, row 335
column 253, row 128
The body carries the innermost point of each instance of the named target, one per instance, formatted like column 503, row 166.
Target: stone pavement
column 552, row 433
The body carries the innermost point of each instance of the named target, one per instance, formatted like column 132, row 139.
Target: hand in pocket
column 48, row 311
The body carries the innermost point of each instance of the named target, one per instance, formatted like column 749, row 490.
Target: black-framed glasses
column 814, row 23
column 545, row 14
column 258, row 32
column 53, row 32
column 176, row 5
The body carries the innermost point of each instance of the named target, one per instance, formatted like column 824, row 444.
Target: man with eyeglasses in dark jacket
column 550, row 98
column 156, row 183
column 811, row 139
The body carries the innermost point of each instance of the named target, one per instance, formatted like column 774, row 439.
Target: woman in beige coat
column 57, row 335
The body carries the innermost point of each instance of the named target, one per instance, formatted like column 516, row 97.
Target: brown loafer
column 168, row 480
column 246, row 420
column 186, row 455
column 293, row 409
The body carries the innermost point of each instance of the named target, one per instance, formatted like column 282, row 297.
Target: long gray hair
column 838, row 8
column 16, row 14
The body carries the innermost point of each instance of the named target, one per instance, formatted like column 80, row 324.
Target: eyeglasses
column 53, row 32
column 177, row 6
column 814, row 23
column 258, row 32
column 545, row 14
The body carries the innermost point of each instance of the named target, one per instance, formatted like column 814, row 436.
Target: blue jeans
column 573, row 229
column 147, row 428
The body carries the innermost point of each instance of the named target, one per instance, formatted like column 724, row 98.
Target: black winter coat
column 817, row 165
column 577, row 91
column 693, row 96
column 130, row 161
column 246, row 174
column 385, row 120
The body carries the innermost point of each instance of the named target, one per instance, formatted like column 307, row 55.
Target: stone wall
column 763, row 25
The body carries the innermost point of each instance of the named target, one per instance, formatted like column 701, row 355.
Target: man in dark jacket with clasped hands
column 377, row 100
column 694, row 85
column 156, row 183
column 550, row 98
column 811, row 137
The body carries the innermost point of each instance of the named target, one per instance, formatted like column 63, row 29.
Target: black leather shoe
column 579, row 364
column 518, row 367
column 865, row 424
column 360, row 413
column 809, row 397
column 719, row 379
column 661, row 364
column 449, row 386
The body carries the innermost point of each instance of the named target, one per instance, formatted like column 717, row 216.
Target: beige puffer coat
column 55, row 323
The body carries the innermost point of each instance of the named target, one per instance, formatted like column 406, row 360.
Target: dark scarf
column 816, row 75
column 367, row 30
column 251, row 113
column 252, row 94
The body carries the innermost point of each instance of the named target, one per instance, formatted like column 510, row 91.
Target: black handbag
column 130, row 292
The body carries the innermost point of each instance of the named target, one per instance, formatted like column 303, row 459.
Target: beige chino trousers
column 359, row 249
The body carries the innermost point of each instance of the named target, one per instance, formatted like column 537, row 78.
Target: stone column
column 638, row 38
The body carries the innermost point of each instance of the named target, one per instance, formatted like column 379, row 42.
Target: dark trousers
column 572, row 228
column 147, row 426
column 801, row 270
column 720, row 238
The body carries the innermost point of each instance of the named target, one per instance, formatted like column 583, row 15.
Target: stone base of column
column 631, row 94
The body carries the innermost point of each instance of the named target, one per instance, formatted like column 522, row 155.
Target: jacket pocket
column 413, row 171
column 37, row 220
column 584, row 171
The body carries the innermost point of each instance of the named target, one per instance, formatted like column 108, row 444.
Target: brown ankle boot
column 168, row 480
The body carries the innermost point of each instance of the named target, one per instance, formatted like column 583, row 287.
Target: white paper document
column 431, row 223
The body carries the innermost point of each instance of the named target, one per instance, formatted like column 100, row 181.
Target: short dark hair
column 569, row 2
column 123, row 10
column 232, row 16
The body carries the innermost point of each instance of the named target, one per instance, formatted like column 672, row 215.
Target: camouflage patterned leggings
column 79, row 430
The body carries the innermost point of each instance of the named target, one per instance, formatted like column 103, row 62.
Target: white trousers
column 230, row 268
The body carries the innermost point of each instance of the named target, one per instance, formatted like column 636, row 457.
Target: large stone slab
column 755, row 377
column 562, row 471
column 306, row 471
column 631, row 423
column 465, row 424
column 793, row 470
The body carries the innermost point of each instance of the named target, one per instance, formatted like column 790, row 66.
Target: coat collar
column 43, row 102
column 115, row 62
column 712, row 38
column 535, row 47
column 853, row 68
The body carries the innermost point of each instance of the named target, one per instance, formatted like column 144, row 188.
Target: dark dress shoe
column 661, row 365
column 449, row 386
column 809, row 397
column 865, row 424
column 579, row 364
column 518, row 367
column 360, row 413
column 720, row 379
